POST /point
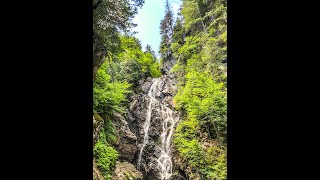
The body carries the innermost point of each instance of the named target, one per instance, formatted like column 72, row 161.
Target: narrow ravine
column 159, row 114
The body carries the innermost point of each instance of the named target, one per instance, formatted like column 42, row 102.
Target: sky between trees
column 148, row 21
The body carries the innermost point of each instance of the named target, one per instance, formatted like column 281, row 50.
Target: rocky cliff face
column 131, row 133
column 96, row 172
column 167, row 65
column 133, row 125
column 137, row 114
column 127, row 141
column 97, row 125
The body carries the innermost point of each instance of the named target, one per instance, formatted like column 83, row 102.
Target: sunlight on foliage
column 201, row 70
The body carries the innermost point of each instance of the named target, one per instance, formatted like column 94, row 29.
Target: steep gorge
column 144, row 131
column 152, row 120
column 155, row 153
column 144, row 134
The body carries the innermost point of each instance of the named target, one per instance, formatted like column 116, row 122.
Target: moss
column 128, row 175
column 97, row 116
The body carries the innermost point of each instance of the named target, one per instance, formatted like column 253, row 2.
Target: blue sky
column 148, row 21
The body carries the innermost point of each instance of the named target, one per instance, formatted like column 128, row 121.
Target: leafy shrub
column 136, row 64
column 105, row 156
column 108, row 95
column 200, row 48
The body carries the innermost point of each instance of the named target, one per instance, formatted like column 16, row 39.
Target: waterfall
column 146, row 125
column 168, row 123
column 164, row 161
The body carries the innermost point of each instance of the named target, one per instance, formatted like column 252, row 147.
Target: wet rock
column 162, row 96
column 145, row 87
column 157, row 153
column 136, row 116
column 154, row 132
column 152, row 172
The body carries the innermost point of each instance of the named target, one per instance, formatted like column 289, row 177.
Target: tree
column 166, row 30
column 109, row 18
column 178, row 32
column 199, row 43
column 151, row 51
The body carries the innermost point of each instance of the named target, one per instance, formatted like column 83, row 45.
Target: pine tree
column 178, row 32
column 149, row 49
column 166, row 31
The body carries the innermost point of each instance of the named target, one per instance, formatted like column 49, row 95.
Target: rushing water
column 146, row 125
column 164, row 160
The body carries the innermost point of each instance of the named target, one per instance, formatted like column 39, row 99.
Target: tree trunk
column 98, row 55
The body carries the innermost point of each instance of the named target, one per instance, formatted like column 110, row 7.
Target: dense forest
column 173, row 106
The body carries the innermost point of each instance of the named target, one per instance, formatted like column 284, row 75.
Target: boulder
column 126, row 171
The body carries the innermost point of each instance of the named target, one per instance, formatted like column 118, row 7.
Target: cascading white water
column 146, row 125
column 164, row 160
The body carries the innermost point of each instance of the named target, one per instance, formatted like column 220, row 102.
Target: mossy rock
column 126, row 171
column 97, row 116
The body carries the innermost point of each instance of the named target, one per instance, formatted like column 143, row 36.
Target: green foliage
column 205, row 101
column 134, row 63
column 110, row 18
column 151, row 51
column 109, row 132
column 200, row 48
column 216, row 159
column 209, row 162
column 178, row 31
column 191, row 15
column 166, row 31
column 120, row 72
column 187, row 145
column 114, row 81
column 108, row 95
column 105, row 156
column 114, row 15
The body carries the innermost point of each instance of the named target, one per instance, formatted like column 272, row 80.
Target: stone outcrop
column 130, row 133
column 127, row 141
column 97, row 125
column 96, row 172
column 168, row 64
column 136, row 116
column 126, row 171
